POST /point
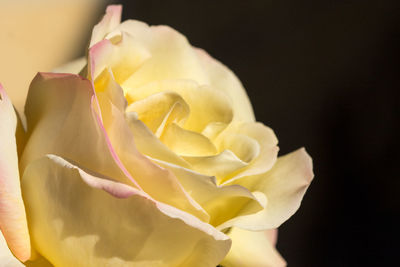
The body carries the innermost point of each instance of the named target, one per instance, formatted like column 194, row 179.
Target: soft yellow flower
column 150, row 157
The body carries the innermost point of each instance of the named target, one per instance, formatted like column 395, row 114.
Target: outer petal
column 111, row 20
column 251, row 249
column 222, row 78
column 123, row 57
column 110, row 224
column 6, row 257
column 12, row 212
column 284, row 185
column 61, row 121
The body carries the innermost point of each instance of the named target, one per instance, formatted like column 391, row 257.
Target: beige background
column 39, row 35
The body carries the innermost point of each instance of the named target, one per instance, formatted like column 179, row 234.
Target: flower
column 151, row 156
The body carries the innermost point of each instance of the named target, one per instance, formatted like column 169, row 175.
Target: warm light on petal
column 284, row 186
column 158, row 182
column 61, row 121
column 6, row 257
column 254, row 143
column 222, row 203
column 110, row 224
column 222, row 78
column 12, row 212
column 110, row 21
column 250, row 249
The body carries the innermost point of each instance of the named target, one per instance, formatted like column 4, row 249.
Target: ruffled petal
column 222, row 203
column 12, row 212
column 148, row 144
column 158, row 182
column 219, row 165
column 187, row 143
column 252, row 142
column 159, row 110
column 207, row 106
column 252, row 249
column 107, row 223
column 284, row 186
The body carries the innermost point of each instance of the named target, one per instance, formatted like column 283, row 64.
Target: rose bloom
column 151, row 156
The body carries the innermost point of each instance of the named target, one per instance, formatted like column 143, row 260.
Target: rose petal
column 172, row 57
column 222, row 78
column 106, row 84
column 219, row 165
column 159, row 110
column 110, row 21
column 222, row 203
column 272, row 236
column 148, row 144
column 158, row 182
column 254, row 143
column 12, row 212
column 251, row 249
column 207, row 105
column 61, row 121
column 6, row 257
column 284, row 186
column 123, row 57
column 109, row 223
column 187, row 143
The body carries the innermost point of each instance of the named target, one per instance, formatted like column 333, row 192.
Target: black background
column 323, row 75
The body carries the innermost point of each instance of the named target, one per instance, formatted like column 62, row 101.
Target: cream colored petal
column 222, row 203
column 158, row 182
column 284, row 186
column 272, row 236
column 61, row 121
column 159, row 110
column 222, row 78
column 207, row 106
column 213, row 129
column 219, row 165
column 187, row 143
column 254, row 143
column 123, row 57
column 251, row 249
column 172, row 57
column 110, row 21
column 110, row 224
column 106, row 84
column 148, row 144
column 12, row 212
column 6, row 257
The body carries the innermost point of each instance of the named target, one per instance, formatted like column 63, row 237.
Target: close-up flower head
column 145, row 133
column 144, row 153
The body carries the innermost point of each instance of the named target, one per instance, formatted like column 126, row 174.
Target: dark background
column 323, row 75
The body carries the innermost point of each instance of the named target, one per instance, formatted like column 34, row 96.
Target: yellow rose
column 150, row 157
